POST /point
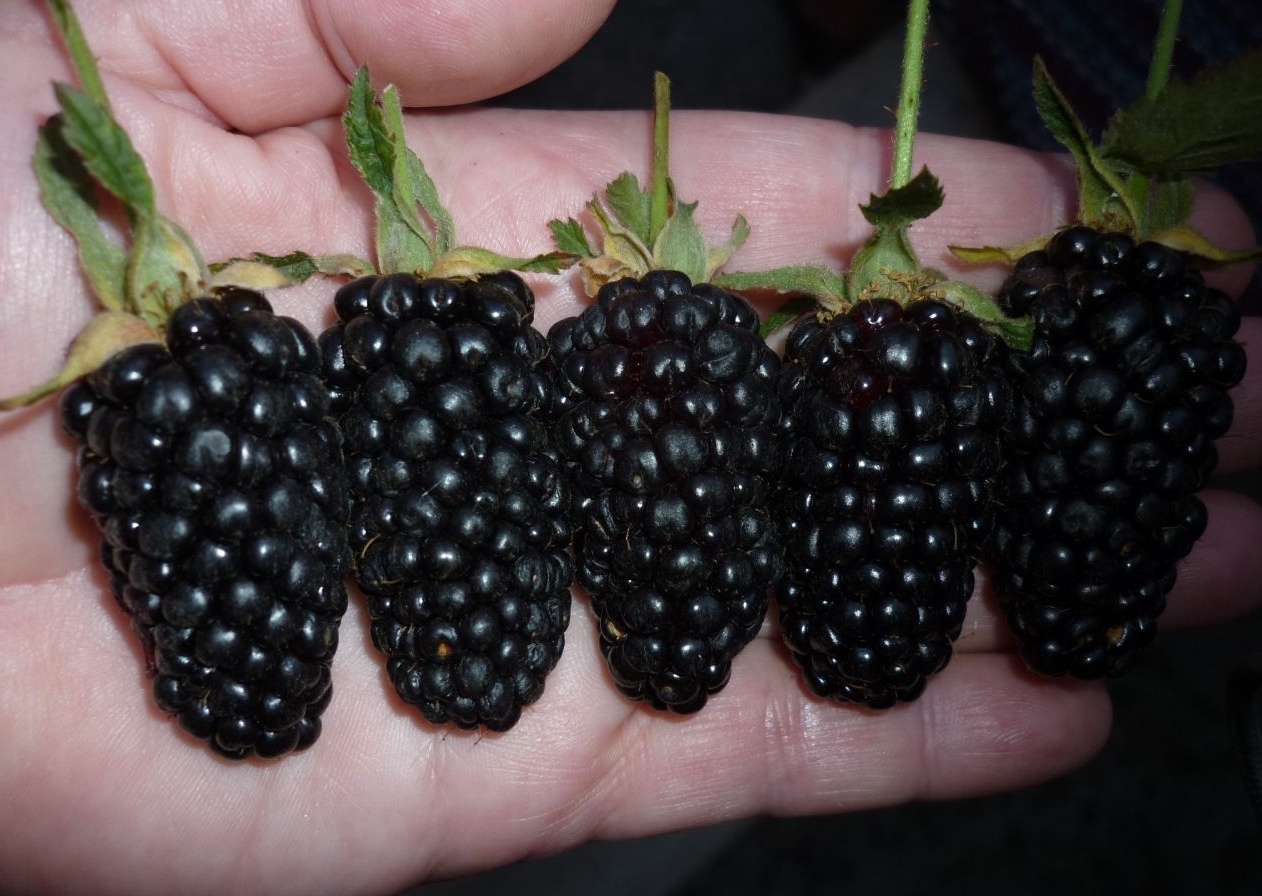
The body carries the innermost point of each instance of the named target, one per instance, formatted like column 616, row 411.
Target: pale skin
column 237, row 117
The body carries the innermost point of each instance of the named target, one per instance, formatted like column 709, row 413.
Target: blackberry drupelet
column 891, row 422
column 1118, row 403
column 666, row 423
column 458, row 529
column 216, row 477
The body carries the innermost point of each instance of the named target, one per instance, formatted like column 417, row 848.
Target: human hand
column 238, row 121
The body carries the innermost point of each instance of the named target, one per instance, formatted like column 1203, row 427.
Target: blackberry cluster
column 1119, row 401
column 458, row 529
column 892, row 418
column 667, row 414
column 217, row 481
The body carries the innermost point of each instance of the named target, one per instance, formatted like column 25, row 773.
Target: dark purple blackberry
column 667, row 413
column 1118, row 403
column 458, row 529
column 891, row 418
column 217, row 479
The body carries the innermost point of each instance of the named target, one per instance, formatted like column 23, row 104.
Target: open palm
column 235, row 108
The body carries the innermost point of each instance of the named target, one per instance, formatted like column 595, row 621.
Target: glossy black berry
column 666, row 422
column 891, row 422
column 458, row 528
column 189, row 451
column 1118, row 402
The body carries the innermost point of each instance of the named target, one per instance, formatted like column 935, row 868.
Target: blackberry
column 458, row 527
column 216, row 479
column 1118, row 402
column 667, row 413
column 891, row 417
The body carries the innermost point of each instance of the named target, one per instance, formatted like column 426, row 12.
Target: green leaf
column 903, row 206
column 569, row 236
column 106, row 150
column 81, row 55
column 68, row 193
column 629, row 204
column 1193, row 126
column 681, row 246
column 1099, row 188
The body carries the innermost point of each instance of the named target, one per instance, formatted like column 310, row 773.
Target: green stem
column 80, row 53
column 909, row 92
column 1163, row 49
column 659, row 174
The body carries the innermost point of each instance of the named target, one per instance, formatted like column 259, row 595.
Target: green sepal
column 413, row 187
column 786, row 314
column 1204, row 254
column 106, row 333
column 376, row 148
column 473, row 261
column 681, row 246
column 1101, row 193
column 998, row 254
column 1171, row 206
column 1018, row 332
column 826, row 287
column 69, row 194
column 1193, row 126
column 294, row 267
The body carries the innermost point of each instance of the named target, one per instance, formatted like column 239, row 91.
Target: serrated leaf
column 1202, row 251
column 902, row 206
column 629, row 203
column 1193, row 126
column 68, row 194
column 1099, row 189
column 569, row 236
column 681, row 246
column 106, row 150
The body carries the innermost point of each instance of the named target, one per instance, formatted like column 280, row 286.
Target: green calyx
column 642, row 230
column 414, row 231
column 886, row 266
column 1136, row 178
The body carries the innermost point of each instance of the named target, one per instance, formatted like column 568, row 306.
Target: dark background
column 1163, row 809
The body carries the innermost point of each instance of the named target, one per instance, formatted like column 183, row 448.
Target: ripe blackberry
column 217, row 480
column 667, row 412
column 891, row 418
column 1118, row 402
column 458, row 528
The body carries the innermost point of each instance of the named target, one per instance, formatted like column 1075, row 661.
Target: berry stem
column 909, row 92
column 1163, row 49
column 659, row 172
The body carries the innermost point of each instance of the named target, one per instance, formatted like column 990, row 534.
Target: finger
column 269, row 64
